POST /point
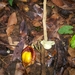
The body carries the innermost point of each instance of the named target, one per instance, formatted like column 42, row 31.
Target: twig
column 45, row 38
column 3, row 61
column 44, row 21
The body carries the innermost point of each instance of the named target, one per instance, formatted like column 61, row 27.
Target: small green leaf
column 52, row 6
column 10, row 2
column 66, row 29
column 72, row 42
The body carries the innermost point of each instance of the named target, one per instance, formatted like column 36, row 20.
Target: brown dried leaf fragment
column 34, row 0
column 19, row 69
column 2, row 5
column 3, row 35
column 23, row 29
column 71, row 52
column 37, row 21
column 58, row 2
column 23, row 0
column 1, row 71
column 11, row 23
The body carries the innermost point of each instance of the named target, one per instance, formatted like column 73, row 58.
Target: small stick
column 45, row 38
column 44, row 21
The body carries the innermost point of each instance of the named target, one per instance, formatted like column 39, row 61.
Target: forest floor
column 21, row 25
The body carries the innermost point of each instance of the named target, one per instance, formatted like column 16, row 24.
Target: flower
column 28, row 56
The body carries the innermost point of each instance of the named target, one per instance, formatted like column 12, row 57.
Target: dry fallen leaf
column 23, row 29
column 34, row 0
column 1, row 71
column 37, row 21
column 26, row 8
column 65, row 4
column 3, row 19
column 71, row 52
column 24, row 0
column 11, row 23
column 2, row 5
column 3, row 35
column 72, row 71
column 19, row 69
column 58, row 2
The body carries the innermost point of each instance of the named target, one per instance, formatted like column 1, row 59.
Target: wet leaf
column 11, row 23
column 66, row 29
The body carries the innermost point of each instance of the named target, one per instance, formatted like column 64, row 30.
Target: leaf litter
column 59, row 59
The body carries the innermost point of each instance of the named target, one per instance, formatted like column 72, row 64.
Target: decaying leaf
column 37, row 21
column 2, row 5
column 18, row 49
column 58, row 2
column 71, row 52
column 23, row 28
column 1, row 71
column 3, row 35
column 26, row 8
column 34, row 0
column 11, row 23
column 24, row 0
column 71, row 61
column 38, row 10
column 3, row 18
column 19, row 69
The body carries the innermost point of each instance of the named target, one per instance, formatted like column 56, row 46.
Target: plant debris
column 45, row 37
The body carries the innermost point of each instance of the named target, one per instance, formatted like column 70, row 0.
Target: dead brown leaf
column 34, row 0
column 3, row 35
column 1, row 71
column 24, row 0
column 58, row 2
column 71, row 52
column 2, row 5
column 11, row 23
column 37, row 21
column 19, row 69
column 72, row 71
column 3, row 18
